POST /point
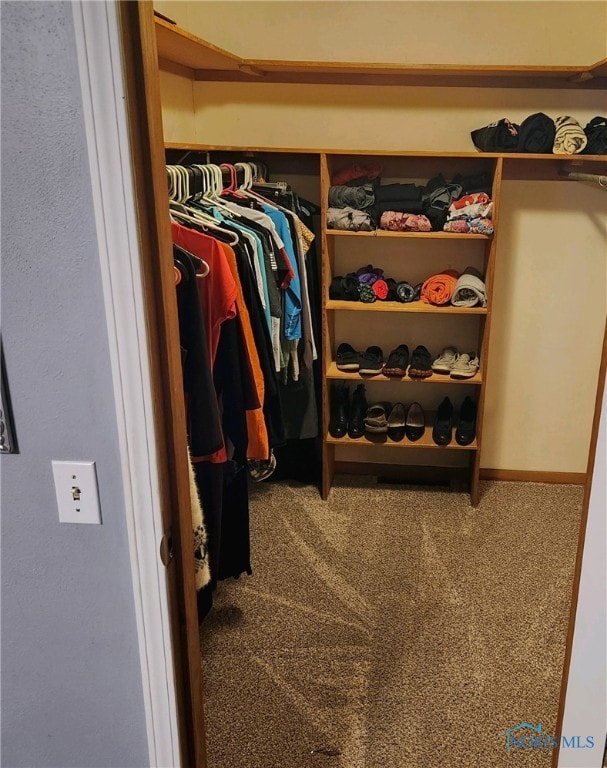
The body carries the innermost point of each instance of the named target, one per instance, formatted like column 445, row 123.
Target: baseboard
column 532, row 476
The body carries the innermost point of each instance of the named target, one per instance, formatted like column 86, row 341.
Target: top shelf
column 205, row 61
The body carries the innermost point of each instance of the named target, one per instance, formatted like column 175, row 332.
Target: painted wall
column 552, row 235
column 71, row 681
column 409, row 31
column 586, row 700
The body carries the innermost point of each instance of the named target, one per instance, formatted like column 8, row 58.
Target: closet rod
column 595, row 178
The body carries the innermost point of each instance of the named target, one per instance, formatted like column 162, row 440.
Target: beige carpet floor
column 391, row 627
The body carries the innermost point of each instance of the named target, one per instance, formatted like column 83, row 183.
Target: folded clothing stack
column 470, row 214
column 395, row 221
column 351, row 198
column 469, row 289
column 439, row 289
column 411, row 208
column 369, row 284
column 540, row 134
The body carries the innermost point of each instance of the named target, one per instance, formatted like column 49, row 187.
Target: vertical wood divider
column 490, row 250
column 328, row 451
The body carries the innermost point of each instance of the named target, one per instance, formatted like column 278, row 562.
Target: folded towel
column 472, row 227
column 348, row 218
column 438, row 289
column 404, row 222
column 536, row 134
column 469, row 289
column 596, row 133
column 352, row 197
column 570, row 138
column 405, row 292
column 500, row 136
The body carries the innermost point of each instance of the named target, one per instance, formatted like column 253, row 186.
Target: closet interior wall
column 549, row 302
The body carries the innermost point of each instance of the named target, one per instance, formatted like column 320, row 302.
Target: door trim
column 100, row 63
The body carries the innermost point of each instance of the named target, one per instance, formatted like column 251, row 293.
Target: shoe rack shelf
column 395, row 306
column 387, row 319
column 425, row 441
column 334, row 373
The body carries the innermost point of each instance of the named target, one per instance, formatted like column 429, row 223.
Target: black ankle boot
column 358, row 411
column 340, row 407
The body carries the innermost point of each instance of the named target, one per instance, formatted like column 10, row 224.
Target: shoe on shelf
column 347, row 358
column 466, row 366
column 421, row 360
column 445, row 361
column 415, row 423
column 339, row 409
column 371, row 361
column 398, row 360
column 376, row 420
column 443, row 423
column 358, row 411
column 465, row 429
column 396, row 423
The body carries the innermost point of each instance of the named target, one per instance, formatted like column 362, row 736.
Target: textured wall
column 567, row 32
column 71, row 681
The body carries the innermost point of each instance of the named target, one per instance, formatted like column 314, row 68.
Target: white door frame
column 103, row 91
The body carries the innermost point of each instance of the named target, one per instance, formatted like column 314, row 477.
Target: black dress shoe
column 340, row 407
column 396, row 423
column 358, row 411
column 443, row 424
column 465, row 430
column 415, row 423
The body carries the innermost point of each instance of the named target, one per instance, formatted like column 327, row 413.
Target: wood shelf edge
column 334, row 373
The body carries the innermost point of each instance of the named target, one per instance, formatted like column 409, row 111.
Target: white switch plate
column 77, row 493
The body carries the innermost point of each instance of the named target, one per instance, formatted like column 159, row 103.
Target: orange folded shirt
column 438, row 289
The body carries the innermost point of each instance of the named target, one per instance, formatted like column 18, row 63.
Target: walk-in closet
column 387, row 255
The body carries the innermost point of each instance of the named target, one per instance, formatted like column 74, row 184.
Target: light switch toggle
column 77, row 492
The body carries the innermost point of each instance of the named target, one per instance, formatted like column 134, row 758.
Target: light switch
column 77, row 493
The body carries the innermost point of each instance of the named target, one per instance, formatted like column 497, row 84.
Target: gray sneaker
column 445, row 361
column 466, row 366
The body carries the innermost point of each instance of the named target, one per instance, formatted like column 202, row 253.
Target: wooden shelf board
column 423, row 235
column 193, row 147
column 383, row 440
column 394, row 306
column 181, row 47
column 210, row 62
column 436, row 378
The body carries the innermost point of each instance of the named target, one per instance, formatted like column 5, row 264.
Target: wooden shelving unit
column 383, row 312
column 202, row 60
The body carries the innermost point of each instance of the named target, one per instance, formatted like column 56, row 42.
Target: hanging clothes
column 248, row 334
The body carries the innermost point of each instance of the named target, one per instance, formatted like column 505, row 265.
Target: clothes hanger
column 193, row 216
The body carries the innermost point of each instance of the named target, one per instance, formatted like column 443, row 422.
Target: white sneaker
column 466, row 366
column 445, row 361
